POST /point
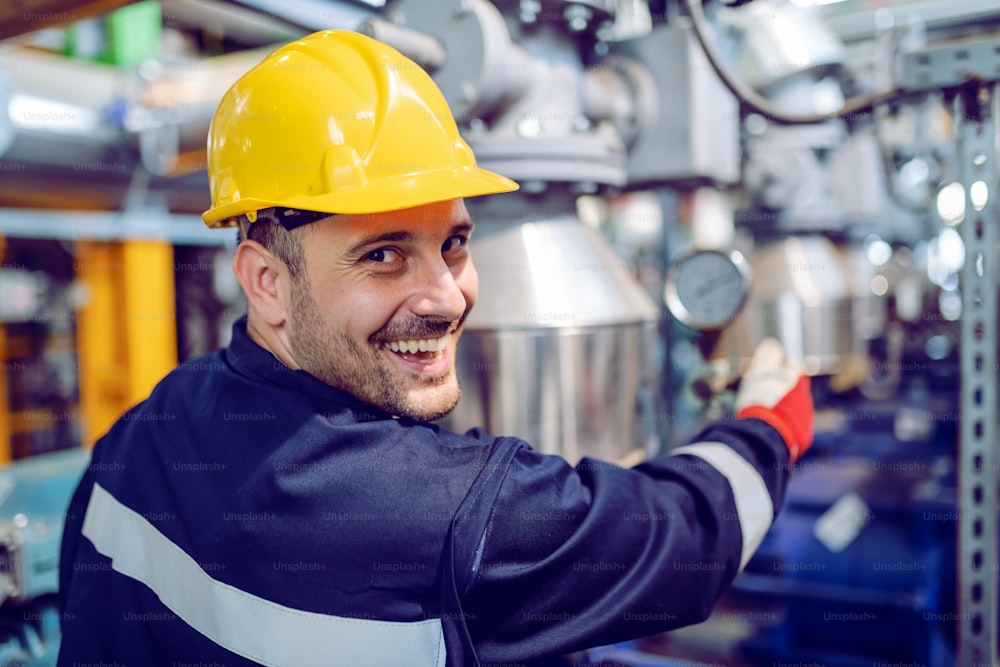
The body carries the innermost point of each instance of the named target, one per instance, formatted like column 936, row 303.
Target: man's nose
column 438, row 291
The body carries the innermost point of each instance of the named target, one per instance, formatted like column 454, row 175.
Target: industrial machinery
column 34, row 495
column 696, row 175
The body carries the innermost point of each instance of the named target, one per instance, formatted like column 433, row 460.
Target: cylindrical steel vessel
column 561, row 349
column 816, row 298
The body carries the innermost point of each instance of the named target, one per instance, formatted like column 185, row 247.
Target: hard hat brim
column 399, row 192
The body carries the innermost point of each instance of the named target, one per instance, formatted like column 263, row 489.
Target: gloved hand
column 775, row 391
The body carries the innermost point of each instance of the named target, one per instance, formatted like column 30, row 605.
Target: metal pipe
column 171, row 115
column 424, row 49
column 17, row 18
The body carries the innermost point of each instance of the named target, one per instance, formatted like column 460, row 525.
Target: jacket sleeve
column 71, row 537
column 573, row 558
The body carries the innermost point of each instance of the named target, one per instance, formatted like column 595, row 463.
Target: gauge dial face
column 707, row 289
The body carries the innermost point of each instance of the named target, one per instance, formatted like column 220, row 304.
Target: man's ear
column 265, row 281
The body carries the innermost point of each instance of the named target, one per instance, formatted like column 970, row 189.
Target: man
column 287, row 500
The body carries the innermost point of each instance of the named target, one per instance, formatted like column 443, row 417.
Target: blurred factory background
column 696, row 174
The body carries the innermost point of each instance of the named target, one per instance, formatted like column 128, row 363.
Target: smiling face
column 380, row 307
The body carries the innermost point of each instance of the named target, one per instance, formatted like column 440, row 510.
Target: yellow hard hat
column 337, row 122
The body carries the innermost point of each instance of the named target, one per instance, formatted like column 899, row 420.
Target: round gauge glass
column 707, row 289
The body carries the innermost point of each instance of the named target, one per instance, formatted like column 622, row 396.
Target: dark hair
column 284, row 244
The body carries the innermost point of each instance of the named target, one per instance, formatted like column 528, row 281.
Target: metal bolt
column 529, row 126
column 755, row 124
column 533, row 186
column 469, row 93
column 529, row 10
column 578, row 17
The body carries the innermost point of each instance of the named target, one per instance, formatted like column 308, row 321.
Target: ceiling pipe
column 18, row 18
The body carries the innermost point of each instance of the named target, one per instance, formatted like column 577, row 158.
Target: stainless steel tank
column 561, row 349
column 817, row 299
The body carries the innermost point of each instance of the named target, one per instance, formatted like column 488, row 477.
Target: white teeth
column 422, row 345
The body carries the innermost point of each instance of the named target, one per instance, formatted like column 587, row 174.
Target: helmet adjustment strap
column 290, row 218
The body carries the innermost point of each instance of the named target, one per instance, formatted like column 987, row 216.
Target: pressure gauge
column 707, row 289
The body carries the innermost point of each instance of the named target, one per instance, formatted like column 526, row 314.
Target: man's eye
column 454, row 243
column 383, row 256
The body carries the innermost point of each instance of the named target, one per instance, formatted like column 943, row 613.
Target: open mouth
column 420, row 350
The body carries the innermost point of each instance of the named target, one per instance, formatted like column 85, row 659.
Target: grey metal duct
column 76, row 132
column 171, row 115
column 312, row 14
column 60, row 112
column 99, row 122
column 67, row 112
column 246, row 26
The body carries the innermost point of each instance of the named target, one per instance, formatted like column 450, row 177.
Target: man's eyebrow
column 375, row 239
column 402, row 235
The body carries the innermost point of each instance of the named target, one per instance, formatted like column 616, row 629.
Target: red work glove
column 774, row 390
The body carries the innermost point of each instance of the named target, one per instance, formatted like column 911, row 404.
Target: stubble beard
column 362, row 371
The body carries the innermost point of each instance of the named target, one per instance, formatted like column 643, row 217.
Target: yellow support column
column 100, row 340
column 150, row 315
column 6, row 445
column 126, row 333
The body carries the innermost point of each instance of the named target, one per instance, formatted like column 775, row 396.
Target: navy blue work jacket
column 249, row 514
